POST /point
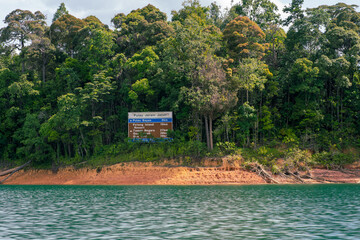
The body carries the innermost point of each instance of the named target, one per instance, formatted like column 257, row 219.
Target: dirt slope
column 168, row 173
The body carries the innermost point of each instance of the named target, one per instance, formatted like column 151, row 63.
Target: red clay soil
column 345, row 176
column 136, row 173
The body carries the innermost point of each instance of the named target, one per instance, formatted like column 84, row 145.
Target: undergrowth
column 275, row 159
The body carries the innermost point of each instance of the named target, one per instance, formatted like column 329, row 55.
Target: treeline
column 231, row 77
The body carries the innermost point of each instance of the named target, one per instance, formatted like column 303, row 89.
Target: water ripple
column 180, row 212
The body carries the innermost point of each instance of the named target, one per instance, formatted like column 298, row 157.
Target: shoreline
column 140, row 173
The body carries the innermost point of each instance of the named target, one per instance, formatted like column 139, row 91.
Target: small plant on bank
column 275, row 169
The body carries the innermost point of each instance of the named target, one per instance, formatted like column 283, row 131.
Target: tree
column 64, row 125
column 180, row 56
column 97, row 43
column 33, row 146
column 295, row 11
column 305, row 93
column 215, row 15
column 64, row 33
column 244, row 39
column 262, row 12
column 192, row 9
column 94, row 98
column 140, row 28
column 251, row 73
column 95, row 92
column 275, row 37
column 19, row 29
column 305, row 37
column 61, row 11
column 21, row 91
column 41, row 49
column 141, row 68
column 209, row 94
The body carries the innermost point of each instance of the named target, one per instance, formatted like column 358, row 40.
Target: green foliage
column 244, row 39
column 140, row 28
column 289, row 137
column 191, row 9
column 226, row 148
column 60, row 12
column 132, row 151
column 22, row 88
column 251, row 74
column 64, row 33
column 294, row 10
column 97, row 45
column 333, row 160
column 266, row 156
column 297, row 160
column 263, row 12
column 33, row 147
column 66, row 89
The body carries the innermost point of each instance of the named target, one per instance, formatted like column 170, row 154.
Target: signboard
column 149, row 125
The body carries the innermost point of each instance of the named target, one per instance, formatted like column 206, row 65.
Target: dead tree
column 12, row 171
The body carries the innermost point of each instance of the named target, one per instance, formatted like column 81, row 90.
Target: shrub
column 333, row 160
column 297, row 159
column 226, row 148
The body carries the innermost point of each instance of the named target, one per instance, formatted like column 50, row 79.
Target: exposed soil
column 170, row 173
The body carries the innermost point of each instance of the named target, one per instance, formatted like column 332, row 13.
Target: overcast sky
column 105, row 10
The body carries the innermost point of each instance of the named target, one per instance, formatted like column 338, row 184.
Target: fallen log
column 296, row 177
column 262, row 173
column 13, row 170
column 320, row 179
column 353, row 171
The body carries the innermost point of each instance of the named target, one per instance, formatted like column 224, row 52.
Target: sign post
column 146, row 126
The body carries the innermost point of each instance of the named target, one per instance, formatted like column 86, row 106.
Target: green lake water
column 180, row 212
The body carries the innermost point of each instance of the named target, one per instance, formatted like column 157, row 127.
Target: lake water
column 180, row 212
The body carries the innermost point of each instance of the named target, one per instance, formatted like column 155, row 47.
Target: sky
column 105, row 10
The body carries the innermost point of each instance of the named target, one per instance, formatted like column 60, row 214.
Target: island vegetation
column 236, row 81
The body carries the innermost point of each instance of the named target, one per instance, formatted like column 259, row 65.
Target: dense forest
column 234, row 79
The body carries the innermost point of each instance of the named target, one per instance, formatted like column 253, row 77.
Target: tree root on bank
column 12, row 171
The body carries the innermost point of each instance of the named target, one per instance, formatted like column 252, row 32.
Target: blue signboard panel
column 150, row 120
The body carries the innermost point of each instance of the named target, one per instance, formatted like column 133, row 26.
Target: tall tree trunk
column 227, row 133
column 58, row 152
column 207, row 132
column 338, row 104
column 22, row 55
column 261, row 136
column 341, row 110
column 69, row 149
column 287, row 115
column 210, row 133
column 65, row 151
column 44, row 71
column 256, row 130
column 83, row 140
column 23, row 66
